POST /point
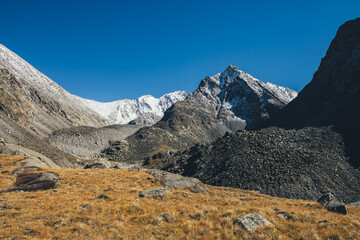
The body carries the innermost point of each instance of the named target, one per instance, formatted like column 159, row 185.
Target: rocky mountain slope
column 300, row 162
column 19, row 141
column 303, row 163
column 36, row 110
column 333, row 96
column 146, row 110
column 226, row 102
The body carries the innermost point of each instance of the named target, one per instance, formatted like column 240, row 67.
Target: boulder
column 103, row 196
column 156, row 192
column 331, row 203
column 30, row 181
column 171, row 180
column 94, row 165
column 251, row 222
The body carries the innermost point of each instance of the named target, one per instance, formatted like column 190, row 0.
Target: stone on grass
column 170, row 181
column 2, row 208
column 95, row 165
column 251, row 222
column 156, row 192
column 29, row 181
column 102, row 196
column 332, row 204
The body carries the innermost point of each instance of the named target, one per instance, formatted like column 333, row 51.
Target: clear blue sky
column 109, row 50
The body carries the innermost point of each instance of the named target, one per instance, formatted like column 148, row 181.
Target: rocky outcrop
column 171, row 181
column 332, row 204
column 252, row 222
column 156, row 192
column 332, row 97
column 31, row 181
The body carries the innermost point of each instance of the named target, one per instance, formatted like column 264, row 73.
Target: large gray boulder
column 331, row 203
column 251, row 222
column 156, row 192
column 171, row 181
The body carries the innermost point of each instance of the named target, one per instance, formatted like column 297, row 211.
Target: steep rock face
column 226, row 102
column 145, row 110
column 303, row 163
column 333, row 96
column 36, row 102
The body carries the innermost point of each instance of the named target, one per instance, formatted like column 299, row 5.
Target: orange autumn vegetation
column 72, row 211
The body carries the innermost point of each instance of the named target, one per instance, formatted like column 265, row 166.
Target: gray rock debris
column 251, row 222
column 156, row 192
column 332, row 204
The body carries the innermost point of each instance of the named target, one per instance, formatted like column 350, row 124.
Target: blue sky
column 109, row 50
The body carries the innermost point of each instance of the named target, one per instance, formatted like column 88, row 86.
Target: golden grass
column 72, row 211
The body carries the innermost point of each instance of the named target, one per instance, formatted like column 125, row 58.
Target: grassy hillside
column 73, row 211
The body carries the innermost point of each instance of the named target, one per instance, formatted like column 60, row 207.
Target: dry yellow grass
column 72, row 211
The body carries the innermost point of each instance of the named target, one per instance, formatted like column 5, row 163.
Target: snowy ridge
column 124, row 111
column 117, row 112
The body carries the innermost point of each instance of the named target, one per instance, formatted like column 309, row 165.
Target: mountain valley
column 186, row 165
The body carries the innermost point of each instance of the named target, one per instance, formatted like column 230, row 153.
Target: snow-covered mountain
column 146, row 107
column 40, row 104
column 240, row 99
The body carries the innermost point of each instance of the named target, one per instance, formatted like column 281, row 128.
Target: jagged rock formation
column 333, row 96
column 301, row 163
column 226, row 102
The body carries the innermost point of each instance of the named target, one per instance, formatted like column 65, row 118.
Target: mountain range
column 233, row 130
column 228, row 101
